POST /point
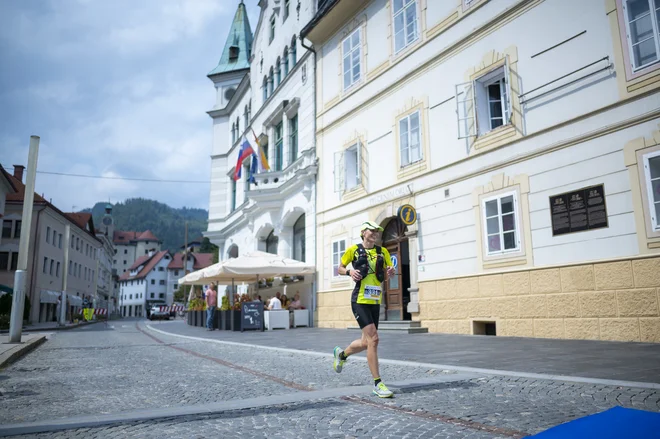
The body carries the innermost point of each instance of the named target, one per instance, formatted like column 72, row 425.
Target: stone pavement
column 624, row 361
column 10, row 352
column 150, row 384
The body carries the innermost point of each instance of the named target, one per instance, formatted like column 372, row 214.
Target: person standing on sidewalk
column 371, row 267
column 211, row 299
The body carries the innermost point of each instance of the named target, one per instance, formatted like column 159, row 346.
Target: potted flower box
column 217, row 319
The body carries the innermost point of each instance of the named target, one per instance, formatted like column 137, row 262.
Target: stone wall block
column 545, row 281
column 533, row 306
column 516, row 284
column 549, row 328
column 563, row 305
column 619, row 329
column 613, row 275
column 520, row 328
column 581, row 329
column 637, row 303
column 650, row 329
column 579, row 278
column 598, row 304
column 468, row 287
column 505, row 307
column 646, row 272
column 491, row 286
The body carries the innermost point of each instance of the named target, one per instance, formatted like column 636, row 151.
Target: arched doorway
column 233, row 252
column 397, row 294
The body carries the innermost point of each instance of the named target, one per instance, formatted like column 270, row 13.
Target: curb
column 8, row 359
column 55, row 328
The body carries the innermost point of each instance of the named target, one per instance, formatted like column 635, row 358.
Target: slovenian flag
column 245, row 152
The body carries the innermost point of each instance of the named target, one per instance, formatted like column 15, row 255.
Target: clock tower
column 108, row 222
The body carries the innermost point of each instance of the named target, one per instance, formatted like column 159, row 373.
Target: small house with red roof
column 175, row 269
column 144, row 284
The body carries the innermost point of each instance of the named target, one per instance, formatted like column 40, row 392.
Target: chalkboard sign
column 252, row 315
column 583, row 209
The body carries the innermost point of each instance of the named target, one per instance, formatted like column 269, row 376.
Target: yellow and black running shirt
column 369, row 290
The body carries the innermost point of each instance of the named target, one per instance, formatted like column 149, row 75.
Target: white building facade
column 525, row 135
column 145, row 284
column 264, row 88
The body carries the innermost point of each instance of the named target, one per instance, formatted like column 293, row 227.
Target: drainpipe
column 314, row 282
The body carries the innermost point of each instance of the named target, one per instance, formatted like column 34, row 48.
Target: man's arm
column 389, row 271
column 355, row 275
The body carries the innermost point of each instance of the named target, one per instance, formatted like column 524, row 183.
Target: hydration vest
column 362, row 262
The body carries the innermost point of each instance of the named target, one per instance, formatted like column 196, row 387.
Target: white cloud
column 75, row 28
column 147, row 27
column 60, row 92
column 129, row 81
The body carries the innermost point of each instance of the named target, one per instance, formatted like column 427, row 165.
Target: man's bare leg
column 357, row 346
column 368, row 342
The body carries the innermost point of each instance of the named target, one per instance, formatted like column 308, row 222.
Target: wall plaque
column 576, row 211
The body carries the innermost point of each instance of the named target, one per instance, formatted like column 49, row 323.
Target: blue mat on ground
column 617, row 422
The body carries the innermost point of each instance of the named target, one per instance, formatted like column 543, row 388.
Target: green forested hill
column 167, row 223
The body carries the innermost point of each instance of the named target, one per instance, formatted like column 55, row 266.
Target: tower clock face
column 107, row 221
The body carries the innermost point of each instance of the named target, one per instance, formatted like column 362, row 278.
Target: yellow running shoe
column 382, row 391
column 337, row 364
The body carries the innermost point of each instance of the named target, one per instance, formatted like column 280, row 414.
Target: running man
column 371, row 266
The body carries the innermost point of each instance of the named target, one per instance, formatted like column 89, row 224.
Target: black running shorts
column 366, row 314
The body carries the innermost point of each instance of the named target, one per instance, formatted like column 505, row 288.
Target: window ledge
column 412, row 169
column 505, row 261
column 396, row 56
column 338, row 282
column 354, row 193
column 653, row 243
column 498, row 137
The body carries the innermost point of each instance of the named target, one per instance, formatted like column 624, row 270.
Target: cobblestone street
column 130, row 367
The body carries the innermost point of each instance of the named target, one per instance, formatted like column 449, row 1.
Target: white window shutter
column 507, row 80
column 358, row 153
column 466, row 110
column 363, row 164
column 339, row 171
column 655, row 222
column 517, row 221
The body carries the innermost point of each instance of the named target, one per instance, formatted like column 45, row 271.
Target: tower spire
column 238, row 46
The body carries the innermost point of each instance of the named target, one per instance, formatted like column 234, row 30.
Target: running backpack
column 362, row 263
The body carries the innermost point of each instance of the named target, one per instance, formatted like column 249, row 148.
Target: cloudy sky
column 113, row 88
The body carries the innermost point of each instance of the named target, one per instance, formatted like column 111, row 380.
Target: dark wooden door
column 394, row 286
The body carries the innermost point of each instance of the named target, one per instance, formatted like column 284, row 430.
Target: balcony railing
column 275, row 179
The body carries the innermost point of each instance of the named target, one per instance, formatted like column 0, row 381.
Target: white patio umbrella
column 249, row 267
column 266, row 264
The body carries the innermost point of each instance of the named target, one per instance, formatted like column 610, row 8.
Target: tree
column 207, row 246
column 180, row 294
column 167, row 223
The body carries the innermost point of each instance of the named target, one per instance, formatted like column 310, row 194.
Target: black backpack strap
column 360, row 250
column 378, row 249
